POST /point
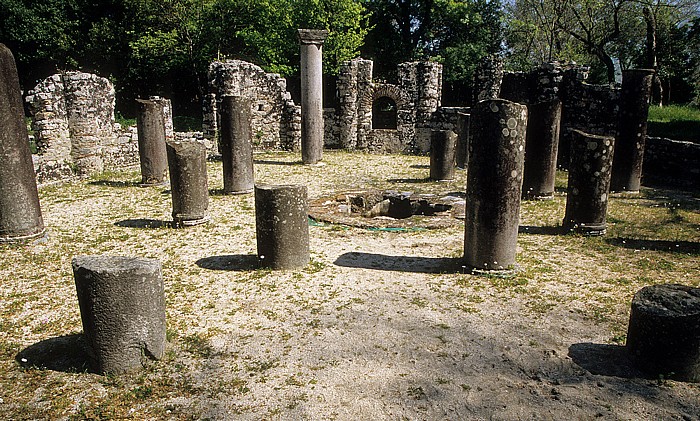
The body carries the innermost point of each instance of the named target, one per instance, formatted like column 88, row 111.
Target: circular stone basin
column 389, row 209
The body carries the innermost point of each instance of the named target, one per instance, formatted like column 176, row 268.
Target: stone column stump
column 187, row 161
column 442, row 155
column 311, row 44
column 663, row 336
column 122, row 307
column 20, row 212
column 494, row 183
column 541, row 146
column 462, row 148
column 590, row 165
column 282, row 226
column 236, row 145
column 632, row 130
column 150, row 125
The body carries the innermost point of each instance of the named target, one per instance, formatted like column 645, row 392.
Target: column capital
column 312, row 36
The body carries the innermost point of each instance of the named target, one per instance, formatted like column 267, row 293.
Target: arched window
column 384, row 113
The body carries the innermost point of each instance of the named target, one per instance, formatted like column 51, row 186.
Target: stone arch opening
column 384, row 112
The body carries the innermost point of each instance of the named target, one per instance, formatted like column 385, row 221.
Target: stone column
column 462, row 148
column 663, row 336
column 589, row 183
column 494, row 183
column 122, row 306
column 541, row 146
column 311, row 42
column 20, row 213
column 442, row 155
column 632, row 130
column 282, row 226
column 151, row 139
column 236, row 145
column 187, row 161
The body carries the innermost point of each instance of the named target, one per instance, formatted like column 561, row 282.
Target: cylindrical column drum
column 150, row 125
column 122, row 307
column 188, row 182
column 541, row 145
column 236, row 145
column 442, row 155
column 462, row 149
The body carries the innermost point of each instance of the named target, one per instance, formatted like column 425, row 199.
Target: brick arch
column 385, row 90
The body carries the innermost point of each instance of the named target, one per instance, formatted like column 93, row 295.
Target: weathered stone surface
column 187, row 161
column 122, row 307
column 462, row 149
column 589, row 183
column 487, row 79
column 494, row 183
column 236, row 145
column 663, row 336
column 282, row 227
column 672, row 162
column 442, row 155
column 20, row 213
column 151, row 135
column 541, row 145
column 311, row 44
column 632, row 130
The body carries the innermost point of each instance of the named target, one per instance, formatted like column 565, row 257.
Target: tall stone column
column 494, row 184
column 541, row 146
column 20, row 213
column 187, row 161
column 236, row 146
column 311, row 42
column 589, row 183
column 151, row 137
column 632, row 130
column 462, row 149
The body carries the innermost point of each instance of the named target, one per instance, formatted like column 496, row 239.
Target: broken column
column 20, row 213
column 282, row 227
column 462, row 148
column 236, row 145
column 311, row 43
column 187, row 161
column 442, row 155
column 151, row 139
column 663, row 336
column 122, row 307
column 632, row 130
column 590, row 165
column 494, row 182
column 541, row 145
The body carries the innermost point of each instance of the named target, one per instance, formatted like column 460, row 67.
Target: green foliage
column 675, row 122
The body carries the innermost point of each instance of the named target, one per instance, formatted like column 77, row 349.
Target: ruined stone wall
column 672, row 162
column 487, row 79
column 272, row 109
column 422, row 81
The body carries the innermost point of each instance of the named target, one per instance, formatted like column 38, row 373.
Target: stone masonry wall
column 672, row 162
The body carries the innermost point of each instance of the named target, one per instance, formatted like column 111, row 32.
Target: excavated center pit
column 389, row 209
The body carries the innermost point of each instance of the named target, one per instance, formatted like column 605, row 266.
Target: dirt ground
column 382, row 324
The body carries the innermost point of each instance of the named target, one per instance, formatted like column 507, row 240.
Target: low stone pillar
column 86, row 148
column 663, row 336
column 541, row 146
column 312, row 126
column 187, row 161
column 590, row 165
column 122, row 306
column 494, row 182
column 442, row 155
column 632, row 130
column 236, row 145
column 150, row 125
column 462, row 149
column 282, row 226
column 20, row 212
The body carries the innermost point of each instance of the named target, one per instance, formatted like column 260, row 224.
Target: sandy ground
column 380, row 325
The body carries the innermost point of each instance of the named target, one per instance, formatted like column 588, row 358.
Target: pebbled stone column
column 122, row 307
column 187, row 160
column 462, row 148
column 311, row 43
column 494, row 183
column 541, row 146
column 590, row 165
column 20, row 212
column 236, row 146
column 282, row 226
column 632, row 130
column 150, row 125
column 442, row 155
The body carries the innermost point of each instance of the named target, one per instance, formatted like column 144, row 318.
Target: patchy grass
column 674, row 122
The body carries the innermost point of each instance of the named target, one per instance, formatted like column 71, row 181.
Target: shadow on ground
column 232, row 262
column 401, row 263
column 144, row 223
column 530, row 229
column 605, row 360
column 690, row 247
column 67, row 354
column 268, row 162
